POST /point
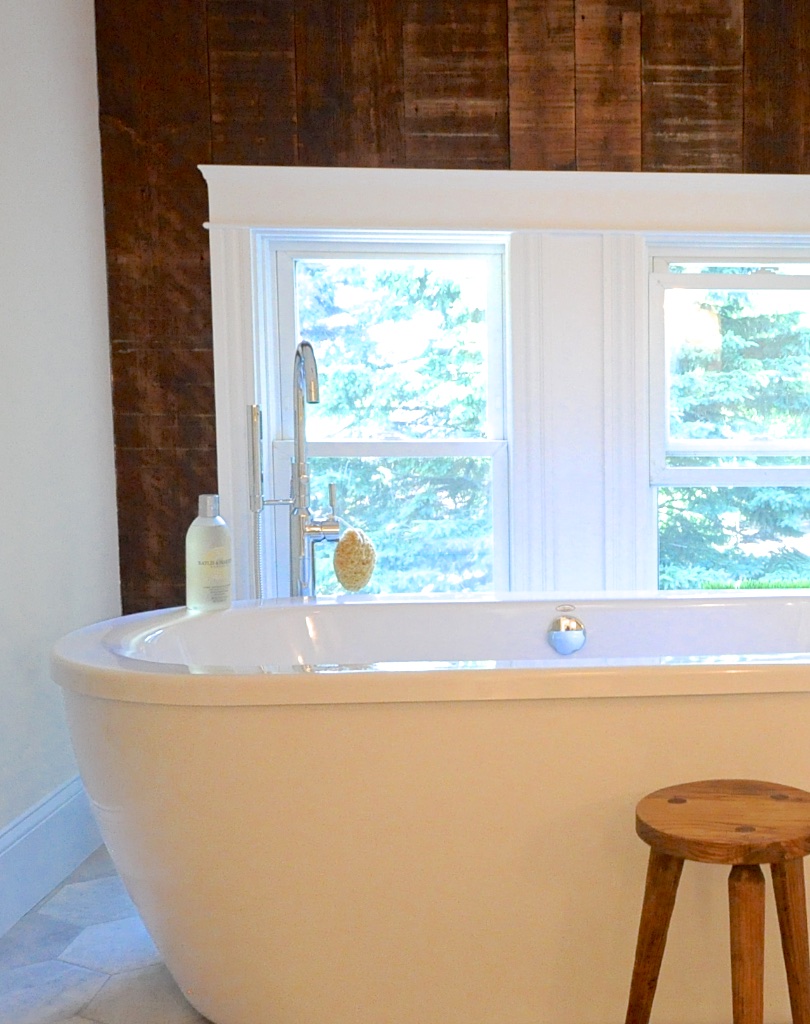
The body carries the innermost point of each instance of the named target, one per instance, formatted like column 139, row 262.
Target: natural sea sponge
column 354, row 559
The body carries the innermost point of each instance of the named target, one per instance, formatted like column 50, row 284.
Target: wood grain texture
column 660, row 890
column 161, row 499
column 791, row 909
column 155, row 129
column 777, row 87
column 744, row 823
column 153, row 137
column 456, row 83
column 692, row 74
column 542, row 85
column 251, row 45
column 727, row 821
column 746, row 902
column 349, row 83
column 608, row 85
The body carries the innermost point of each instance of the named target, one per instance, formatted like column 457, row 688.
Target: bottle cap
column 209, row 505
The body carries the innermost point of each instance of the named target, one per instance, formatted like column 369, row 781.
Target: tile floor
column 83, row 954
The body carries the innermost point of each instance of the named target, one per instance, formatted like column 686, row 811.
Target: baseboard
column 42, row 847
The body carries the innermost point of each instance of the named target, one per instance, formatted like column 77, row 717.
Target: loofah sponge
column 354, row 560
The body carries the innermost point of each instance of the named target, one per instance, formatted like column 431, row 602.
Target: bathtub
column 414, row 811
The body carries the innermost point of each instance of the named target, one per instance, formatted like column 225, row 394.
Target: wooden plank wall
column 605, row 85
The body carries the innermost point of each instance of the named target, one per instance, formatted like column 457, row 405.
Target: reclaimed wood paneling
column 692, row 85
column 349, row 83
column 251, row 45
column 542, row 85
column 608, row 85
column 155, row 129
column 153, row 136
column 165, row 457
column 456, row 83
column 776, row 137
column 549, row 84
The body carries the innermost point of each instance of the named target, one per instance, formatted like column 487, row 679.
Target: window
column 409, row 342
column 589, row 459
column 730, row 415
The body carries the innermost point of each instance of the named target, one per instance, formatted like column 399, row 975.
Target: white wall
column 58, row 543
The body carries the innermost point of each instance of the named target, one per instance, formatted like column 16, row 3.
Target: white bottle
column 208, row 559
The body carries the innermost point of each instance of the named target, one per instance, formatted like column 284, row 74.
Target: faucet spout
column 305, row 529
column 305, row 390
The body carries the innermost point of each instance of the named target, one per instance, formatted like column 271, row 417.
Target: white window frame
column 582, row 512
column 275, row 253
column 661, row 253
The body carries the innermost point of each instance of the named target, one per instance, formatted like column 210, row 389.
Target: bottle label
column 215, row 567
column 213, row 578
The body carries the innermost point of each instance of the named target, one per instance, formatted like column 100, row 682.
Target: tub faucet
column 306, row 529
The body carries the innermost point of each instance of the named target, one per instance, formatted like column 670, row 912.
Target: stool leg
column 663, row 875
column 746, row 896
column 788, row 888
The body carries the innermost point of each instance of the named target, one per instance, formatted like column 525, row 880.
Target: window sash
column 662, row 445
column 735, row 282
column 274, row 283
column 287, row 338
column 281, row 453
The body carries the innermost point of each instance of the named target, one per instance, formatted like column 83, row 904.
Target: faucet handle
column 333, row 499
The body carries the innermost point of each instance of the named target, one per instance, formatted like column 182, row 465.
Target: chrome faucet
column 306, row 529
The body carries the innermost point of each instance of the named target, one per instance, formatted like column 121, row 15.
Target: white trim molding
column 470, row 200
column 41, row 847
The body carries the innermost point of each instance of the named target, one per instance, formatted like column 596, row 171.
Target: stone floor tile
column 149, row 996
column 71, row 1020
column 98, row 865
column 93, row 902
column 114, row 947
column 47, row 992
column 35, row 938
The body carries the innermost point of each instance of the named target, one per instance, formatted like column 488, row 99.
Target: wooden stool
column 738, row 822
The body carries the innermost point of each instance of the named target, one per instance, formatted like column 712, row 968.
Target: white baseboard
column 42, row 847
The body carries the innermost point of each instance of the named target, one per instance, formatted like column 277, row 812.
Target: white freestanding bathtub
column 413, row 811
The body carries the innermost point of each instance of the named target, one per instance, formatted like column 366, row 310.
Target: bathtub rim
column 85, row 663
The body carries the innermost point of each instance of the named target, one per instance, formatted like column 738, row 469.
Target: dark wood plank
column 251, row 46
column 155, row 129
column 608, row 87
column 692, row 67
column 542, row 85
column 349, row 83
column 155, row 508
column 776, row 136
column 456, row 83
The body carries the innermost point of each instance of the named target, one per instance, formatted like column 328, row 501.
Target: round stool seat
column 727, row 821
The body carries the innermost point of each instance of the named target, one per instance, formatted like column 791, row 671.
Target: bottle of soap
column 208, row 558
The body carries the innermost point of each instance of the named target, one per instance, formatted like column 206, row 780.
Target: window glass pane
column 430, row 520
column 738, row 364
column 401, row 345
column 733, row 537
